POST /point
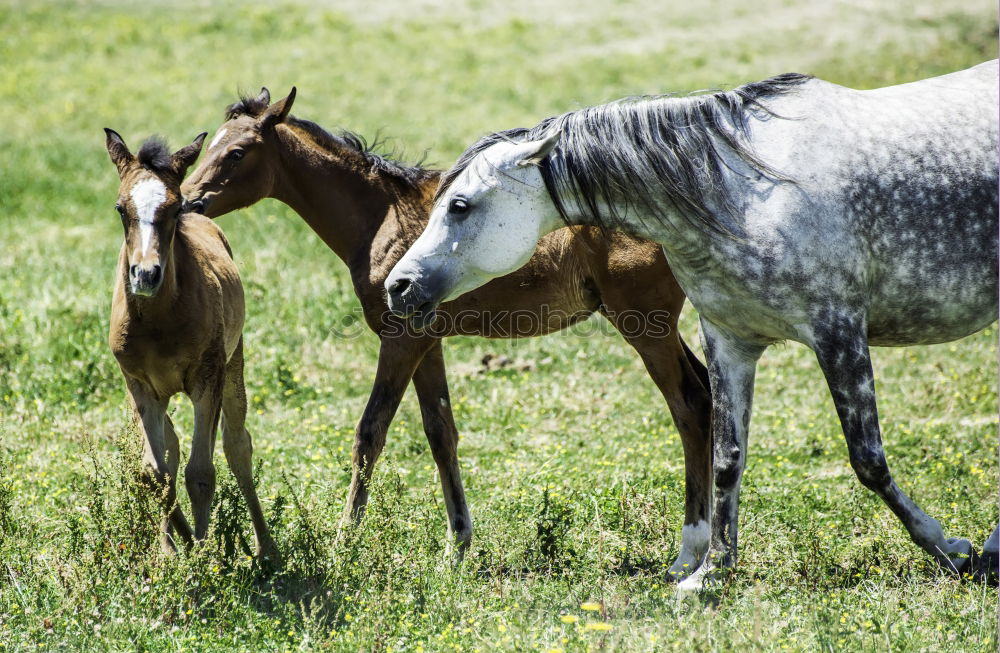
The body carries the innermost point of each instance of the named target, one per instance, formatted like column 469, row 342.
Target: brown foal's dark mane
column 411, row 176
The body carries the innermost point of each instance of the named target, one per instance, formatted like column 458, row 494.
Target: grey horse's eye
column 458, row 206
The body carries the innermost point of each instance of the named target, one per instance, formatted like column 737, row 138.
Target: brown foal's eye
column 121, row 211
column 234, row 155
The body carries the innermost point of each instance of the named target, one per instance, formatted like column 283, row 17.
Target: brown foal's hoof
column 268, row 557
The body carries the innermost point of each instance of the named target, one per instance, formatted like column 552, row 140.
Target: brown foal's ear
column 265, row 96
column 120, row 155
column 184, row 157
column 277, row 112
column 540, row 149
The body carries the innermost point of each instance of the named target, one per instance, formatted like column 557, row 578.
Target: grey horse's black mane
column 154, row 155
column 644, row 152
column 409, row 175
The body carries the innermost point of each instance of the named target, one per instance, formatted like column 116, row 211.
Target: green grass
column 573, row 469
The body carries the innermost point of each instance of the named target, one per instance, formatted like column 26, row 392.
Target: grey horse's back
column 901, row 183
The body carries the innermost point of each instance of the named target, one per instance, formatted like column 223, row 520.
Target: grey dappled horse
column 788, row 209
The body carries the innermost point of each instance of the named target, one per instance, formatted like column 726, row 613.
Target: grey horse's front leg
column 732, row 365
column 841, row 345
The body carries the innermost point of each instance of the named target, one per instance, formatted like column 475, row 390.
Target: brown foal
column 369, row 209
column 177, row 326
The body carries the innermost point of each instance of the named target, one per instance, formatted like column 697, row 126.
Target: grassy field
column 573, row 468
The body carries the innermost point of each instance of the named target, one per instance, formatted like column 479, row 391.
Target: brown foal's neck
column 339, row 193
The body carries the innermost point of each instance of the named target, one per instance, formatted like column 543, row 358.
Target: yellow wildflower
column 599, row 626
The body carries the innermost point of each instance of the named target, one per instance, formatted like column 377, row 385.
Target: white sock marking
column 694, row 544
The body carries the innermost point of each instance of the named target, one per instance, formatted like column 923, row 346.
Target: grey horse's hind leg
column 732, row 365
column 841, row 345
column 988, row 564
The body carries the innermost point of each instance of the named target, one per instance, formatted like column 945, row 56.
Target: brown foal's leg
column 177, row 521
column 690, row 405
column 431, row 383
column 160, row 469
column 397, row 360
column 683, row 382
column 199, row 473
column 239, row 450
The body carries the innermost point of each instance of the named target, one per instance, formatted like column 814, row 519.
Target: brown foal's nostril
column 146, row 277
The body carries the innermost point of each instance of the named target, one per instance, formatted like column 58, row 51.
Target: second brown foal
column 369, row 210
column 177, row 326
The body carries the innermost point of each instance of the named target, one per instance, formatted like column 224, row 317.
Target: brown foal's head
column 149, row 203
column 239, row 165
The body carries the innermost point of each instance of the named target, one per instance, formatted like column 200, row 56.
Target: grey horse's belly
column 933, row 271
column 930, row 324
column 921, row 296
column 933, row 303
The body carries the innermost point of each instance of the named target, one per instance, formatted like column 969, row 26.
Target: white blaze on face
column 147, row 196
column 218, row 137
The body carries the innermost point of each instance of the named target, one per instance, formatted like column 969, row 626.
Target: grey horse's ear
column 265, row 96
column 277, row 112
column 117, row 149
column 541, row 149
column 187, row 155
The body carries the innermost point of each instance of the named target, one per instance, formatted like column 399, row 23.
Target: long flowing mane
column 411, row 176
column 648, row 154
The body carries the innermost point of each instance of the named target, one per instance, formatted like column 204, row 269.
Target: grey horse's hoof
column 706, row 577
column 985, row 567
column 957, row 557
